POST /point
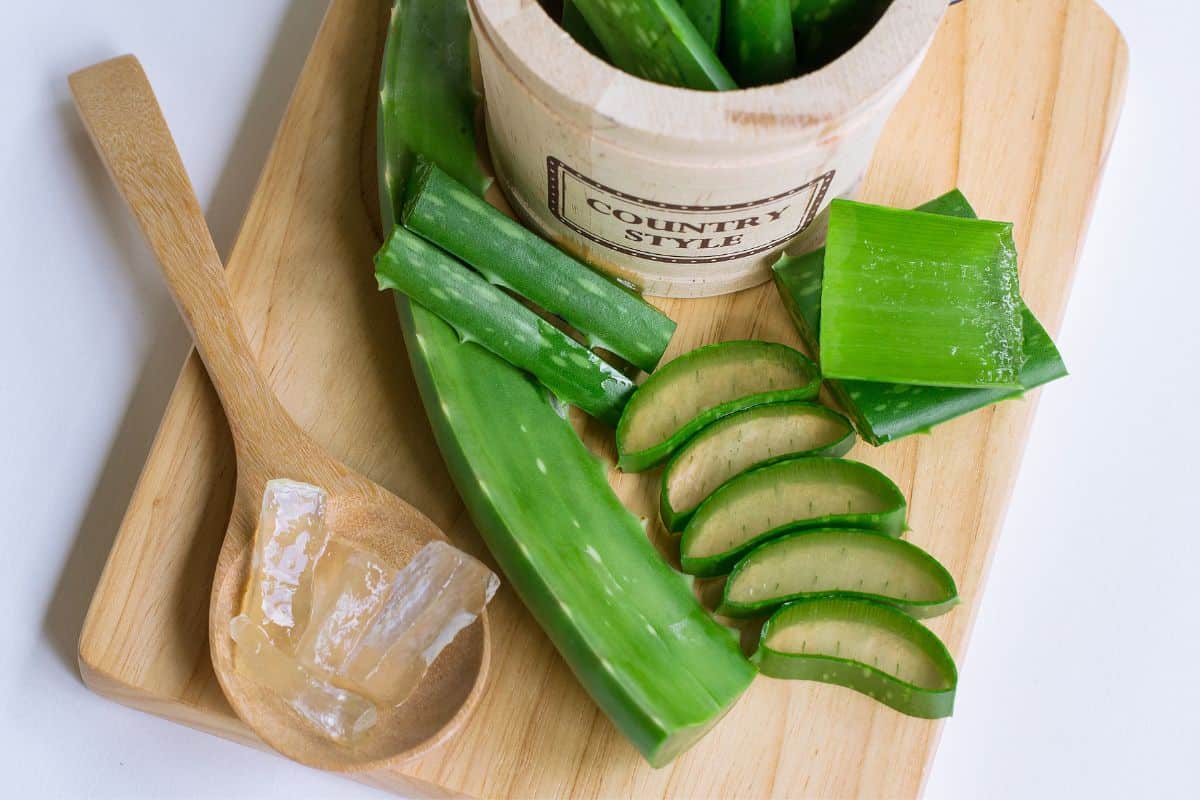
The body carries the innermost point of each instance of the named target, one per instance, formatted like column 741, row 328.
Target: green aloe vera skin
column 852, row 563
column 791, row 495
column 626, row 624
column 427, row 106
column 655, row 40
column 872, row 648
column 744, row 440
column 757, row 45
column 698, row 388
column 916, row 298
column 884, row 412
column 510, row 256
column 481, row 313
column 575, row 25
column 706, row 16
column 825, row 29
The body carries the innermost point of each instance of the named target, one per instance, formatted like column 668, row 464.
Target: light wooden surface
column 1016, row 104
column 122, row 116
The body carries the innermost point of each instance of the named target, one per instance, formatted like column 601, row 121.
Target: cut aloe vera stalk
column 917, row 298
column 859, row 563
column 869, row 647
column 574, row 24
column 884, row 412
column 482, row 313
column 626, row 624
column 706, row 16
column 655, row 40
column 702, row 386
column 751, row 438
column 825, row 29
column 791, row 495
column 507, row 254
column 757, row 45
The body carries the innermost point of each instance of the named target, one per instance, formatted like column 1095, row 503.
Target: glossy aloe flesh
column 757, row 45
column 858, row 563
column 625, row 623
column 702, row 386
column 872, row 648
column 575, row 25
column 791, row 495
column 884, row 412
column 509, row 255
column 754, row 437
column 484, row 314
column 655, row 40
column 825, row 29
column 917, row 298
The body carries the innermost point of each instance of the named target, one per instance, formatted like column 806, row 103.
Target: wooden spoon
column 122, row 115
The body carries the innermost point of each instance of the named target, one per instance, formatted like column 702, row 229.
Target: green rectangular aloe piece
column 884, row 412
column 918, row 298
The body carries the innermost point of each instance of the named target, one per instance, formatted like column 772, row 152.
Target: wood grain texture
column 1016, row 103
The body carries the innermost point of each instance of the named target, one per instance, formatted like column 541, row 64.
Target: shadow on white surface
column 170, row 342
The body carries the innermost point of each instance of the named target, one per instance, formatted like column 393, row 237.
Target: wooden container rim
column 554, row 67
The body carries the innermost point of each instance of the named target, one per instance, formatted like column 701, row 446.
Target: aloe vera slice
column 482, row 313
column 869, row 647
column 858, row 563
column 702, row 386
column 790, row 495
column 916, row 298
column 757, row 44
column 626, row 624
column 507, row 254
column 655, row 40
column 884, row 412
column 750, row 438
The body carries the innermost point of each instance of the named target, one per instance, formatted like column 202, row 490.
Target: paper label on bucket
column 679, row 234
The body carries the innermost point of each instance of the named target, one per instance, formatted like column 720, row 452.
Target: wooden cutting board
column 1016, row 104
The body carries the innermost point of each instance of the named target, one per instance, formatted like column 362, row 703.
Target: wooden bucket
column 682, row 193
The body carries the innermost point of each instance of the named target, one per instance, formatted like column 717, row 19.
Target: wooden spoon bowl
column 123, row 118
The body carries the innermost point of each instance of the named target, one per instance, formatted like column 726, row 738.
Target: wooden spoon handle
column 123, row 118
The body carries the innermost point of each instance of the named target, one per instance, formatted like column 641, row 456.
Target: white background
column 1081, row 680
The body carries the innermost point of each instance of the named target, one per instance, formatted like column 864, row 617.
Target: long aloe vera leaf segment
column 757, row 44
column 827, row 28
column 884, row 412
column 751, row 438
column 857, row 563
column 481, row 313
column 869, row 647
column 764, row 503
column 917, row 298
column 706, row 16
column 509, row 255
column 702, row 386
column 625, row 623
column 575, row 25
column 655, row 40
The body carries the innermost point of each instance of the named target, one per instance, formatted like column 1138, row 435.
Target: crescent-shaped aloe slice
column 869, row 647
column 858, row 563
column 750, row 438
column 791, row 495
column 702, row 386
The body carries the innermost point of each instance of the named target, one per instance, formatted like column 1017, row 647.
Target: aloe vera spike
column 500, row 436
column 655, row 40
column 506, row 253
column 574, row 24
column 757, row 44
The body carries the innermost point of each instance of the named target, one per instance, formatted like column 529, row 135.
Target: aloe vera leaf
column 917, row 298
column 706, row 16
column 481, row 313
column 511, row 256
column 751, row 438
column 854, row 563
column 884, row 412
column 869, row 647
column 702, row 386
column 827, row 28
column 655, row 40
column 757, row 46
column 543, row 505
column 799, row 493
column 574, row 24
